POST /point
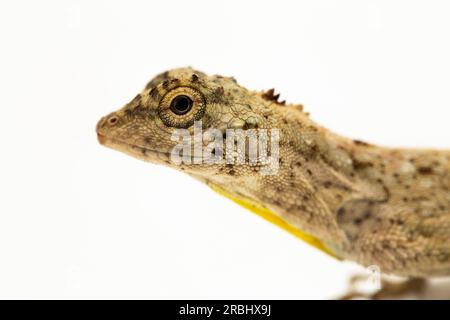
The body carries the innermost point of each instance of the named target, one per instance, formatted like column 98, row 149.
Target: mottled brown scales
column 365, row 203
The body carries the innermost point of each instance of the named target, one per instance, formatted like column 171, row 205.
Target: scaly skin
column 369, row 204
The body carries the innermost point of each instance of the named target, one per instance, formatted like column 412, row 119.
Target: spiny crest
column 271, row 96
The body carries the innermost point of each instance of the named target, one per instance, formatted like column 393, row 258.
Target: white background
column 81, row 221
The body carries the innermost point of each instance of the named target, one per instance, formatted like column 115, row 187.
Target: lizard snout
column 104, row 124
column 101, row 139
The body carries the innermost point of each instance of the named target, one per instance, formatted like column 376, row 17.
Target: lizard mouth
column 101, row 139
column 138, row 151
column 132, row 149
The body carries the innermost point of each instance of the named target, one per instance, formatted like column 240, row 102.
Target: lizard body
column 370, row 204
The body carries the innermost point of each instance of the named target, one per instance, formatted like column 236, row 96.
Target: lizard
column 356, row 201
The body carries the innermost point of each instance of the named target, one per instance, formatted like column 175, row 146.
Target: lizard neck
column 332, row 166
column 357, row 180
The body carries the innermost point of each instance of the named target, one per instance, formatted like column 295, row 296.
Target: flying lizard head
column 203, row 125
column 246, row 145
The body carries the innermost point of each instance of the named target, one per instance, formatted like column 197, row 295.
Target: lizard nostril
column 112, row 120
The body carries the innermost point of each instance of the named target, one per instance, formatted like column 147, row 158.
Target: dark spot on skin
column 140, row 110
column 248, row 125
column 357, row 221
column 327, row 184
column 154, row 93
column 425, row 170
column 314, row 151
column 361, row 143
column 147, row 140
column 309, row 172
column 360, row 165
column 231, row 172
column 194, row 78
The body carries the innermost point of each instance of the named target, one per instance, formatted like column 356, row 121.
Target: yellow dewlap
column 275, row 219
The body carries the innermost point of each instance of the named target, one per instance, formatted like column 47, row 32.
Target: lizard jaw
column 135, row 151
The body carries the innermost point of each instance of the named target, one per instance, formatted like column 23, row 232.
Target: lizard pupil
column 181, row 104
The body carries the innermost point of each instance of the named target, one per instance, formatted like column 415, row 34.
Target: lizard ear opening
column 181, row 106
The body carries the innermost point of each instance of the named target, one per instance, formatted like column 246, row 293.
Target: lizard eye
column 181, row 106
